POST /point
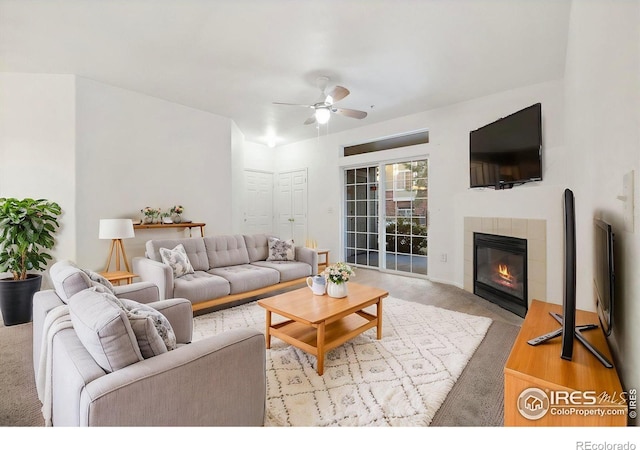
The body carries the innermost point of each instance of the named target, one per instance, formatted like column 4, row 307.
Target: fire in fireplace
column 500, row 271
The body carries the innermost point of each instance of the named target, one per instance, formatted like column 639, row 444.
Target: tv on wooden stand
column 568, row 329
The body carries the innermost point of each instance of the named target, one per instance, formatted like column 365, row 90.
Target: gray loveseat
column 226, row 268
column 217, row 381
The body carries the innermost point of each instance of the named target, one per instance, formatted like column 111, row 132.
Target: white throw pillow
column 178, row 260
column 280, row 250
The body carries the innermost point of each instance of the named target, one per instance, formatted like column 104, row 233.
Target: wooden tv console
column 576, row 390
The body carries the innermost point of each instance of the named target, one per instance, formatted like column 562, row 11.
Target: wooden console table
column 540, row 367
column 161, row 226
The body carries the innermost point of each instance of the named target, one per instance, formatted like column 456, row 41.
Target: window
column 405, row 140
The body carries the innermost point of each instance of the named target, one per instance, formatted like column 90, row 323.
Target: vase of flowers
column 151, row 215
column 338, row 276
column 176, row 213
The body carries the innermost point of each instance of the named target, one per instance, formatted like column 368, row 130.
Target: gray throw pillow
column 178, row 260
column 153, row 331
column 281, row 250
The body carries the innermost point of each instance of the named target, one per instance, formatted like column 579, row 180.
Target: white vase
column 337, row 290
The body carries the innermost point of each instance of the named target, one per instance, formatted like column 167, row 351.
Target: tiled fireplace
column 527, row 259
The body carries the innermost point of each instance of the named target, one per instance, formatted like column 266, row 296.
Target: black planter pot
column 16, row 299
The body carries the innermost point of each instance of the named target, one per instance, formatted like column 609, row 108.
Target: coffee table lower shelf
column 315, row 341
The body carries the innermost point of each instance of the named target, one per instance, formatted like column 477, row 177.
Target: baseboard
column 447, row 282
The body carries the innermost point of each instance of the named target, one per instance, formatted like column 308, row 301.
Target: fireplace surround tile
column 519, row 228
column 504, row 227
column 533, row 230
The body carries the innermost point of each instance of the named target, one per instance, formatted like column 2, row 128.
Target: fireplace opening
column 500, row 271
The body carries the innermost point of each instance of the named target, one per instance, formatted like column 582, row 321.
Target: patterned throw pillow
column 99, row 280
column 178, row 260
column 153, row 331
column 281, row 250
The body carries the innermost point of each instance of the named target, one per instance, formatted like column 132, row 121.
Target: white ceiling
column 235, row 57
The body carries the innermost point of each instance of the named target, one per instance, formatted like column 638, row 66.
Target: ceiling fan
column 324, row 105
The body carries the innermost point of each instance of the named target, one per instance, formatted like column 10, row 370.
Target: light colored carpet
column 19, row 404
column 401, row 380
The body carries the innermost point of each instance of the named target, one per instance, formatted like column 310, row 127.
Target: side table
column 322, row 264
column 119, row 276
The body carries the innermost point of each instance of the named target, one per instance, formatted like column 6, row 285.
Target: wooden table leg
column 379, row 313
column 267, row 334
column 320, row 345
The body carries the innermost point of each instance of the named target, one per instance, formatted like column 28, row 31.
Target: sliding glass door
column 405, row 209
column 394, row 217
column 361, row 218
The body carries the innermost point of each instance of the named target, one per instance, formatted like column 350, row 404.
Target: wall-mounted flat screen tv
column 508, row 151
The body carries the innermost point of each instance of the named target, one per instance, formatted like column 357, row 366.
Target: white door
column 292, row 206
column 258, row 204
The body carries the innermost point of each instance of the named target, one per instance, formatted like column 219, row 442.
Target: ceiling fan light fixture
column 322, row 115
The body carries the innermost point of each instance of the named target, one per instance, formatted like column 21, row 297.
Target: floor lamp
column 116, row 230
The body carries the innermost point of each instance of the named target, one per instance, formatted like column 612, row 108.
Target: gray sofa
column 226, row 268
column 217, row 381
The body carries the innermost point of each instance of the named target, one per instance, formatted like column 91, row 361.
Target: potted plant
column 151, row 215
column 338, row 275
column 177, row 211
column 26, row 232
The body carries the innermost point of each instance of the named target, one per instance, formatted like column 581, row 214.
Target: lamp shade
column 116, row 229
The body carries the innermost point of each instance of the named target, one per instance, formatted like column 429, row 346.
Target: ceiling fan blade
column 338, row 93
column 353, row 113
column 293, row 104
column 310, row 120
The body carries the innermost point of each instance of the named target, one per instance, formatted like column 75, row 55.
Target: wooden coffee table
column 319, row 323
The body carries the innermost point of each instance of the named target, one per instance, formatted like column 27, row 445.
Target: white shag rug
column 400, row 380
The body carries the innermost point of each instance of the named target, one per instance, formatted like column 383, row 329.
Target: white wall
column 246, row 156
column 537, row 200
column 450, row 199
column 37, row 147
column 603, row 137
column 132, row 151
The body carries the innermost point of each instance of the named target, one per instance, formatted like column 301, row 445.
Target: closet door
column 292, row 206
column 258, row 202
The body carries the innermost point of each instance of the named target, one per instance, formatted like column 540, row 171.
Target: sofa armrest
column 218, row 381
column 180, row 315
column 142, row 292
column 309, row 256
column 157, row 273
